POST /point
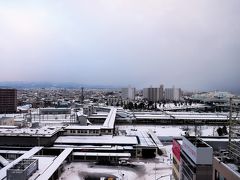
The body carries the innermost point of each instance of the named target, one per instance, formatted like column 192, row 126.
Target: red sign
column 176, row 149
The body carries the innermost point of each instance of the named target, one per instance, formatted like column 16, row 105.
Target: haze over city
column 120, row 90
column 189, row 44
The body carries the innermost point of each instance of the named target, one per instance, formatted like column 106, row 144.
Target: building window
column 85, row 131
column 218, row 176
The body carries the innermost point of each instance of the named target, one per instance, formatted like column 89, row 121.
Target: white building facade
column 172, row 94
column 128, row 93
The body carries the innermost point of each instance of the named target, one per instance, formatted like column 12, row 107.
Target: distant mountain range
column 36, row 85
column 71, row 85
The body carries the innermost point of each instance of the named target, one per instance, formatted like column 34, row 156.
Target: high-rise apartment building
column 154, row 94
column 8, row 100
column 128, row 93
column 172, row 94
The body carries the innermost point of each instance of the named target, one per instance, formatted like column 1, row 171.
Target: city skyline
column 192, row 45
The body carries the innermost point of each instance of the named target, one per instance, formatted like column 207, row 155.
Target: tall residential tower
column 128, row 93
column 154, row 94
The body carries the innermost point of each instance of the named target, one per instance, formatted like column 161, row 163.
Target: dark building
column 8, row 101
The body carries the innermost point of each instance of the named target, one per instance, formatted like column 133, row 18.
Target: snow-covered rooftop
column 180, row 115
column 55, row 165
column 97, row 140
column 144, row 138
column 102, row 154
column 3, row 171
column 110, row 120
column 45, row 131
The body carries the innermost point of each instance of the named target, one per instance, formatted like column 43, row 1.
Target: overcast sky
column 189, row 44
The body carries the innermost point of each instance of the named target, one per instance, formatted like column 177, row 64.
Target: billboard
column 199, row 155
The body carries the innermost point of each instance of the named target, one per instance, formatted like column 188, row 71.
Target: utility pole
column 230, row 122
column 82, row 96
column 234, row 125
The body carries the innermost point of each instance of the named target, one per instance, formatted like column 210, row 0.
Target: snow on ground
column 140, row 169
column 43, row 164
column 170, row 130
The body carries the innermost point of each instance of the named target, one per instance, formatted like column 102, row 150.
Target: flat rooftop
column 55, row 165
column 43, row 164
column 97, row 140
column 45, row 131
column 30, row 153
column 197, row 142
column 128, row 155
column 144, row 138
column 96, row 147
column 8, row 127
column 181, row 115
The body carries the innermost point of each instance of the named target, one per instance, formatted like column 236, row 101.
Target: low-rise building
column 37, row 163
column 29, row 137
column 55, row 111
column 6, row 121
column 23, row 169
